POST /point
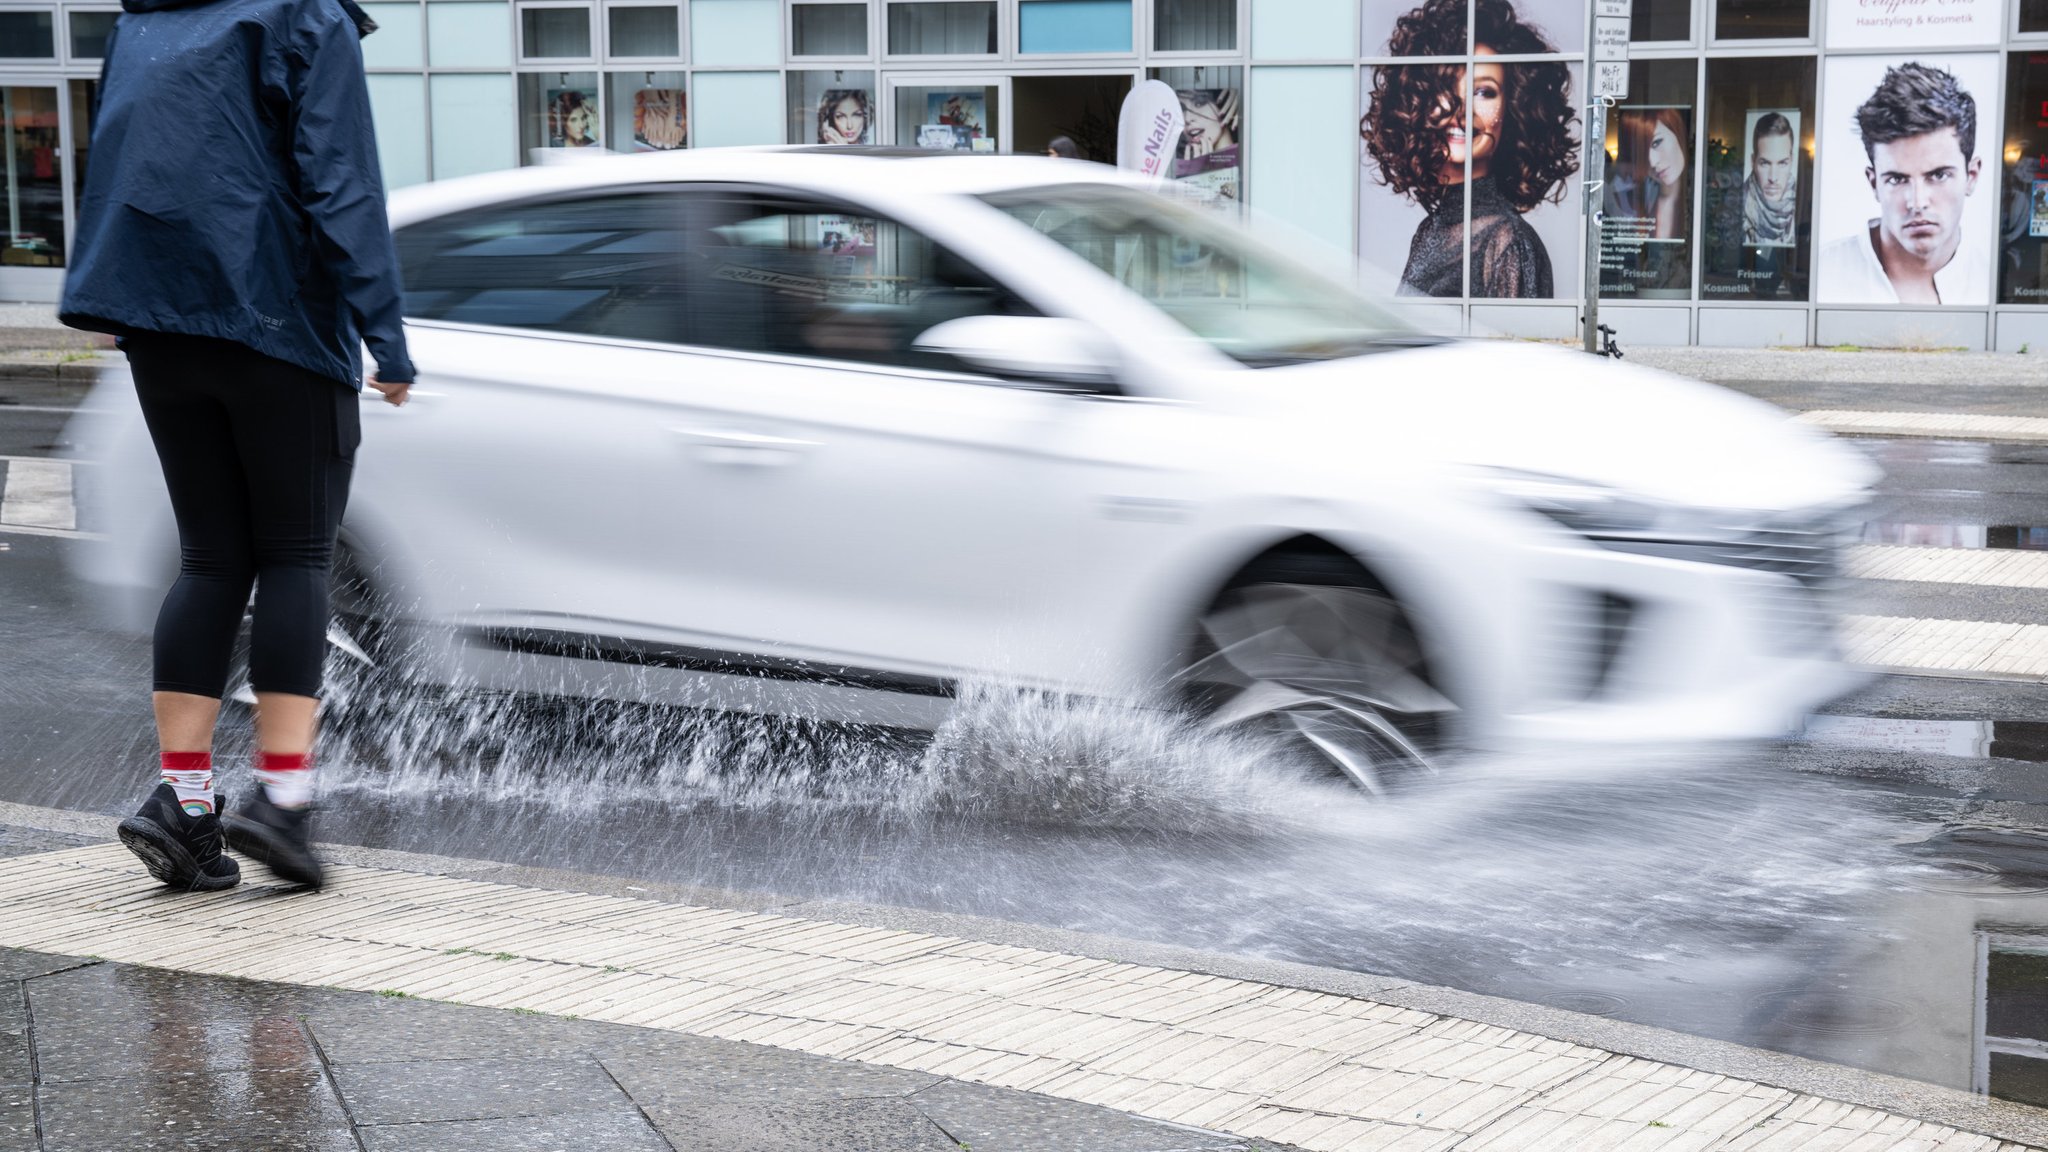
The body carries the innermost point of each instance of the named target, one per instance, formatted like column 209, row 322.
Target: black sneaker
column 179, row 849
column 274, row 837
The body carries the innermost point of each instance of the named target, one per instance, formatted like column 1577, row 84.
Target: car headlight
column 1585, row 508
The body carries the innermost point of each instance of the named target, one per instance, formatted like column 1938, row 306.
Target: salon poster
column 965, row 111
column 661, row 121
column 1207, row 161
column 1646, row 204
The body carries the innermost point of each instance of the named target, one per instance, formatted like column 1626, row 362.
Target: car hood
column 1568, row 414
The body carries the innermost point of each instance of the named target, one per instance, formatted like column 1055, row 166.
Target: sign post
column 1607, row 33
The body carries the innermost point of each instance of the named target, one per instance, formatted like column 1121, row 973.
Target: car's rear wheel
column 1309, row 649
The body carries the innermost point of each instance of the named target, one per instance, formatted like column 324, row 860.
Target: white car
column 832, row 431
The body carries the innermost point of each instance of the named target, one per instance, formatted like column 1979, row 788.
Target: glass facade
column 1757, row 189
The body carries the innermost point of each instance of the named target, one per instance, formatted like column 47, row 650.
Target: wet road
column 1865, row 897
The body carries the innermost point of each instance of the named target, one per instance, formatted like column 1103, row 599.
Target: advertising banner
column 845, row 116
column 1150, row 130
column 1646, row 213
column 661, row 119
column 1208, row 159
column 1913, row 25
column 572, row 118
column 1908, row 213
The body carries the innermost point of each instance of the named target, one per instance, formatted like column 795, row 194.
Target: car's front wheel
column 1309, row 649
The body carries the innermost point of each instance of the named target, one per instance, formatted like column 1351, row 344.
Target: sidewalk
column 602, row 1016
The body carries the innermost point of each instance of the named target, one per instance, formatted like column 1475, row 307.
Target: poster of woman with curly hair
column 1511, row 125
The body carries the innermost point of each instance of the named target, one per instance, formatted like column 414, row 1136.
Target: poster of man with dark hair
column 1918, row 128
column 1770, row 185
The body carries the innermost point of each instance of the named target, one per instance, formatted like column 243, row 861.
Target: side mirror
column 1038, row 349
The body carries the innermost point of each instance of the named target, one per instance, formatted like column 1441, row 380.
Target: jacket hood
column 361, row 19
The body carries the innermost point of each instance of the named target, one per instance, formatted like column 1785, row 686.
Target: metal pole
column 1595, row 170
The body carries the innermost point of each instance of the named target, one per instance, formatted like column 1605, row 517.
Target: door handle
column 739, row 446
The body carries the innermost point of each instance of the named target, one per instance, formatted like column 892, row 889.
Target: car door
column 853, row 500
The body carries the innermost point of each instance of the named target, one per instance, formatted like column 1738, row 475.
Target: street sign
column 1610, row 78
column 1612, row 7
column 1610, row 38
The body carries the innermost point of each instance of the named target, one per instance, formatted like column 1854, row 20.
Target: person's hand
column 395, row 394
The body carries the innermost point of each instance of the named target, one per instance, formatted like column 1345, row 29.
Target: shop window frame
column 1148, row 45
column 1006, row 41
column 598, row 36
column 1746, row 50
column 68, row 57
column 1017, row 7
column 682, row 55
column 1776, row 45
column 876, row 30
column 1985, row 1045
column 60, row 35
column 1699, row 23
column 2014, row 33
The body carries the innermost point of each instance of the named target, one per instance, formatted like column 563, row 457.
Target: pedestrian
column 1063, row 148
column 232, row 234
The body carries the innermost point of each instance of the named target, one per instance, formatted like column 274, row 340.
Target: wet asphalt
column 1837, row 900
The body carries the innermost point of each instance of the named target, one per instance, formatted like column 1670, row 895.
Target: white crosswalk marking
column 1949, row 647
column 1938, row 425
column 38, row 495
column 1993, row 567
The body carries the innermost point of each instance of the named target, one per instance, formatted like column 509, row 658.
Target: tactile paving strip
column 1323, row 1072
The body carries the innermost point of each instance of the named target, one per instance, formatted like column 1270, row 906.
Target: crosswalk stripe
column 1937, row 425
column 38, row 495
column 1953, row 647
column 1989, row 567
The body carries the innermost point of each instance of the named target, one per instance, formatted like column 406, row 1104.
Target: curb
column 1890, row 1094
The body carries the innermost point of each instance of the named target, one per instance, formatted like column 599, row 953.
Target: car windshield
column 1248, row 302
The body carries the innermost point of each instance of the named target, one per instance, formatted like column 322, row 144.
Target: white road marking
column 1933, row 425
column 38, row 495
column 1947, row 647
column 1988, row 567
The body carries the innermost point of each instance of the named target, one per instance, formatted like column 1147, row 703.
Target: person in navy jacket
column 232, row 234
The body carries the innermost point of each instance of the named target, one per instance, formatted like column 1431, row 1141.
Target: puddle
column 2025, row 538
column 1970, row 739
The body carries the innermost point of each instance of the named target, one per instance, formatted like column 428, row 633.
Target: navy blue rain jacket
column 232, row 189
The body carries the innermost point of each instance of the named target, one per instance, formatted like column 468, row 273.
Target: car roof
column 850, row 171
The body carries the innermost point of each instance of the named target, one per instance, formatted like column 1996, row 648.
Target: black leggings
column 257, row 454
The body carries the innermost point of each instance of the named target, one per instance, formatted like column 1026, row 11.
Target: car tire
column 1309, row 649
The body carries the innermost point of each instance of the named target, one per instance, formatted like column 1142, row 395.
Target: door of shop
column 35, row 125
column 1081, row 107
column 962, row 113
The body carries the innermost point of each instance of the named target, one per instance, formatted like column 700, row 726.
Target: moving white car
column 834, row 431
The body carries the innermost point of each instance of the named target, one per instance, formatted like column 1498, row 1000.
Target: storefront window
column 35, row 182
column 1194, row 25
column 2023, row 260
column 89, row 31
column 1209, row 164
column 554, row 33
column 559, row 110
column 1762, row 19
column 835, row 107
column 1073, row 26
column 2034, row 15
column 650, row 112
column 28, row 35
column 1651, row 21
column 1758, row 203
column 84, row 102
column 829, row 30
column 646, row 32
column 948, row 28
column 1646, row 226
column 948, row 117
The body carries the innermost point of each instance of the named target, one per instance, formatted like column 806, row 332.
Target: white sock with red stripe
column 287, row 778
column 190, row 775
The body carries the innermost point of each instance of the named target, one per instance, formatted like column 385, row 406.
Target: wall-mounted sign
column 1610, row 79
column 1912, row 25
column 1610, row 38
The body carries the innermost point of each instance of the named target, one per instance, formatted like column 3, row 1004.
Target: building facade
column 1779, row 171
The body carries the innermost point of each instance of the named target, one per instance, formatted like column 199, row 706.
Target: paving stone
column 288, row 1110
column 18, row 841
column 1002, row 1120
column 17, row 1118
column 16, row 964
column 15, row 1065
column 426, row 1090
column 674, row 1070
column 610, row 1131
column 859, row 1125
column 367, row 1030
column 111, row 1021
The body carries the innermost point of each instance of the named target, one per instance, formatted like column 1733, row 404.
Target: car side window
column 609, row 265
column 793, row 277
